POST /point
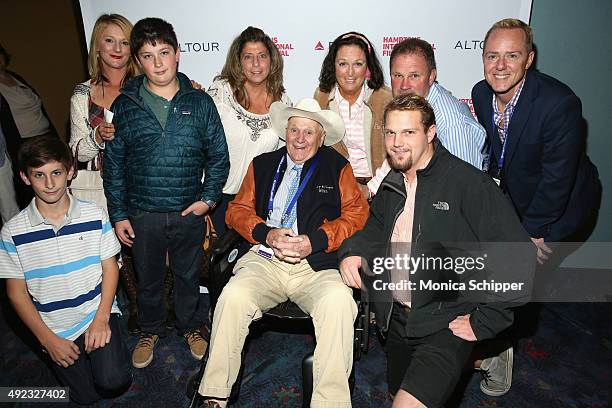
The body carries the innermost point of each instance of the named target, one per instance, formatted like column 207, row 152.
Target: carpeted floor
column 566, row 362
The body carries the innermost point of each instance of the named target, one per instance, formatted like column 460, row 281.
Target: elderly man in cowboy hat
column 296, row 205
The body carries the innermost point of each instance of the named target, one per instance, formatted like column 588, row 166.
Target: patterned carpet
column 566, row 362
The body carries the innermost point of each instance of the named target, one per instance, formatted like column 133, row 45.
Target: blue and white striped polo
column 62, row 267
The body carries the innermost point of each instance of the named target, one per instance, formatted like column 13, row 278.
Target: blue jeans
column 181, row 238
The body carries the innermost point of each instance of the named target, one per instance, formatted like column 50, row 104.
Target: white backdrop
column 205, row 30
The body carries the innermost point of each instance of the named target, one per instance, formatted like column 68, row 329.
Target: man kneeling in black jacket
column 446, row 258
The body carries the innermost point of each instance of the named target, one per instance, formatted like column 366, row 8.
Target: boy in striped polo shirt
column 58, row 256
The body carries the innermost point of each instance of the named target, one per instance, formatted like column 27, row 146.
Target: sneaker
column 197, row 344
column 497, row 373
column 143, row 352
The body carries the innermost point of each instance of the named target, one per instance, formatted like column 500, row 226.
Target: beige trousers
column 260, row 284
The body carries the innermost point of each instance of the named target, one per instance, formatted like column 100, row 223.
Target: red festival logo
column 470, row 104
column 319, row 47
column 389, row 43
column 283, row 48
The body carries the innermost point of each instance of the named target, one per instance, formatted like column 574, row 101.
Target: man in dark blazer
column 533, row 125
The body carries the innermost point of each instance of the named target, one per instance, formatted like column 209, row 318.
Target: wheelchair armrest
column 362, row 323
column 365, row 303
column 224, row 254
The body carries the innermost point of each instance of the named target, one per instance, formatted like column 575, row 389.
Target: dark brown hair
column 151, row 31
column 232, row 70
column 327, row 78
column 39, row 150
column 414, row 46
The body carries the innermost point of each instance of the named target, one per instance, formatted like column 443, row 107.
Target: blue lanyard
column 301, row 187
column 502, row 157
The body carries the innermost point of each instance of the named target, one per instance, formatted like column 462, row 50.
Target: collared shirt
column 456, row 128
column 158, row 104
column 352, row 116
column 502, row 119
column 282, row 194
column 61, row 266
column 401, row 238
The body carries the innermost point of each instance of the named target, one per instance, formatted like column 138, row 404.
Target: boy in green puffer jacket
column 167, row 136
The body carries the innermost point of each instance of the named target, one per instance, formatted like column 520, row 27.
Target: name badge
column 265, row 252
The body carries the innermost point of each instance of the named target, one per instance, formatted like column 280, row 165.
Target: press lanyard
column 297, row 194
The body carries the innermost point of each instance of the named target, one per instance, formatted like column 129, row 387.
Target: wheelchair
column 223, row 256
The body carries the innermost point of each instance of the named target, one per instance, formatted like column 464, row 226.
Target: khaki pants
column 259, row 285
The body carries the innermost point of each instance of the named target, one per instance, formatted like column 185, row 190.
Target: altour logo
column 211, row 46
column 469, row 45
column 319, row 46
column 389, row 42
column 284, row 48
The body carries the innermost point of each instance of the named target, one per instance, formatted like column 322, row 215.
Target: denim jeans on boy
column 181, row 238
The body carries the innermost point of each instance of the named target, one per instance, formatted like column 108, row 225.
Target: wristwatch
column 211, row 204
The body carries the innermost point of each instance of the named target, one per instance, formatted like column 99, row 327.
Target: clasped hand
column 287, row 246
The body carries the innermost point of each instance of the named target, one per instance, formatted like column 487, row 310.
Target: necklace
column 256, row 123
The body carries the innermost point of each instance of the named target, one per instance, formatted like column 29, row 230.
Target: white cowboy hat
column 308, row 108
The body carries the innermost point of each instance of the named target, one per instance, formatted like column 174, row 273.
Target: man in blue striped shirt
column 58, row 256
column 413, row 69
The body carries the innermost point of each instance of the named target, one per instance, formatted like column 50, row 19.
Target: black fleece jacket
column 457, row 208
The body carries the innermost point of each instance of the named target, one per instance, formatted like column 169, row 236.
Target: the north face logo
column 441, row 205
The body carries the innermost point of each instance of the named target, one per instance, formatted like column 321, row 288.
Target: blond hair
column 509, row 23
column 94, row 64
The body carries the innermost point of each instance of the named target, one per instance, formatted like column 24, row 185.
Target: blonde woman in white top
column 110, row 67
column 251, row 80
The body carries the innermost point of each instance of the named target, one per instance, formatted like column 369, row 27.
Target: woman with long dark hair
column 352, row 84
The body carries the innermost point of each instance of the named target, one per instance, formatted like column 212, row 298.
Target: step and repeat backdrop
column 303, row 30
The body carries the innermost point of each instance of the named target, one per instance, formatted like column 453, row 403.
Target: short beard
column 395, row 165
